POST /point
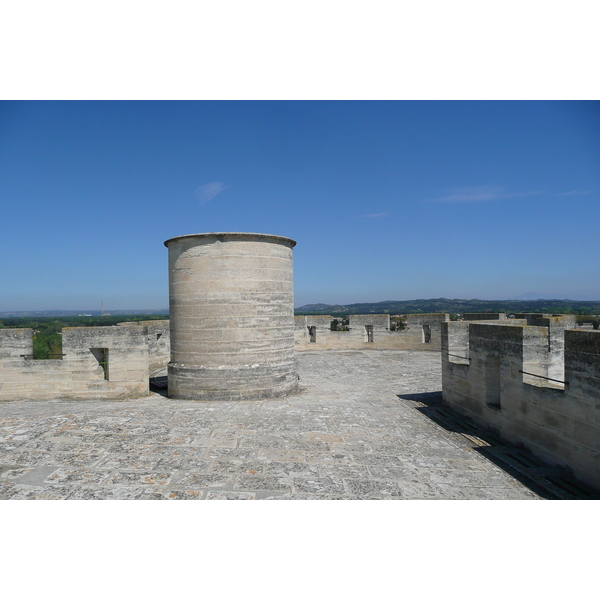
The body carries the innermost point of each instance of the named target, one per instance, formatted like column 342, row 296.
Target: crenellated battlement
column 96, row 362
column 371, row 331
column 538, row 385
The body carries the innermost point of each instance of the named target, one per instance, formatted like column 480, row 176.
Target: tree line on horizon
column 456, row 306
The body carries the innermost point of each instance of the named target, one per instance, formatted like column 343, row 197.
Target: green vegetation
column 47, row 336
column 593, row 319
column 397, row 323
column 47, row 341
column 455, row 307
column 340, row 324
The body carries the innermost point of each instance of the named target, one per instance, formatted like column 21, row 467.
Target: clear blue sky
column 387, row 200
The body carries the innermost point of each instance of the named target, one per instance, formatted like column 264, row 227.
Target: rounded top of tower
column 231, row 236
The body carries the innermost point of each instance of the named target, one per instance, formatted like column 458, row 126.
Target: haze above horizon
column 392, row 199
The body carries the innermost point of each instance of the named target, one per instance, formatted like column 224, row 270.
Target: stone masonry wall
column 159, row 343
column 559, row 422
column 412, row 338
column 79, row 373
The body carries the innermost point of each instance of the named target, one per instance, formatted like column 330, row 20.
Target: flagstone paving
column 346, row 435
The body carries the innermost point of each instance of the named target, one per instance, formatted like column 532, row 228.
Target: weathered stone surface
column 231, row 302
column 97, row 362
column 506, row 383
column 369, row 332
column 345, row 435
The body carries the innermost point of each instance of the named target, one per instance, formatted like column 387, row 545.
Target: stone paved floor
column 347, row 435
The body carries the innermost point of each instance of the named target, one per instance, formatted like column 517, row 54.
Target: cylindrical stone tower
column 231, row 301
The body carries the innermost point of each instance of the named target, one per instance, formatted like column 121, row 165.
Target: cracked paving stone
column 354, row 448
column 39, row 446
column 104, row 493
column 281, row 455
column 376, row 459
column 216, row 442
column 230, row 496
column 50, row 492
column 6, row 489
column 332, row 459
column 127, row 463
column 68, row 476
column 173, row 452
column 139, row 479
column 13, row 471
column 310, row 446
column 180, row 440
column 343, row 470
column 418, row 462
column 454, row 478
column 370, row 488
column 171, row 495
column 290, row 469
column 321, row 485
column 27, row 458
column 392, row 472
column 449, row 492
column 258, row 482
column 322, row 437
column 201, row 480
column 418, row 491
column 199, row 465
column 262, row 442
column 231, row 453
column 110, row 439
column 237, row 467
column 72, row 459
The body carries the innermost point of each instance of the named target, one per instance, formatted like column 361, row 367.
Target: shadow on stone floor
column 160, row 385
column 547, row 481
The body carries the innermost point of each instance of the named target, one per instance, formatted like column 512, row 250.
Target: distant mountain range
column 457, row 306
column 394, row 307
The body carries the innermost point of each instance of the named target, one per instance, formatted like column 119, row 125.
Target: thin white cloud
column 205, row 193
column 375, row 215
column 575, row 193
column 482, row 193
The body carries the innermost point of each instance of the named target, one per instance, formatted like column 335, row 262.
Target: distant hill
column 321, row 307
column 456, row 306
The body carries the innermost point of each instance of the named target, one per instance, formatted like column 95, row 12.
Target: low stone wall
column 489, row 373
column 97, row 362
column 313, row 332
column 484, row 316
column 159, row 343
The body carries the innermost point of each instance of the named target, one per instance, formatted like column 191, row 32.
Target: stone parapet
column 503, row 377
column 97, row 362
column 369, row 332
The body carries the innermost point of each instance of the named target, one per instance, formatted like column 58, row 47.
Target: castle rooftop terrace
column 353, row 432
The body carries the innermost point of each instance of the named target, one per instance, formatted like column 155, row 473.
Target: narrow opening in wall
column 339, row 325
column 101, row 355
column 492, row 382
column 47, row 343
column 312, row 333
column 369, row 332
column 427, row 334
column 158, row 336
